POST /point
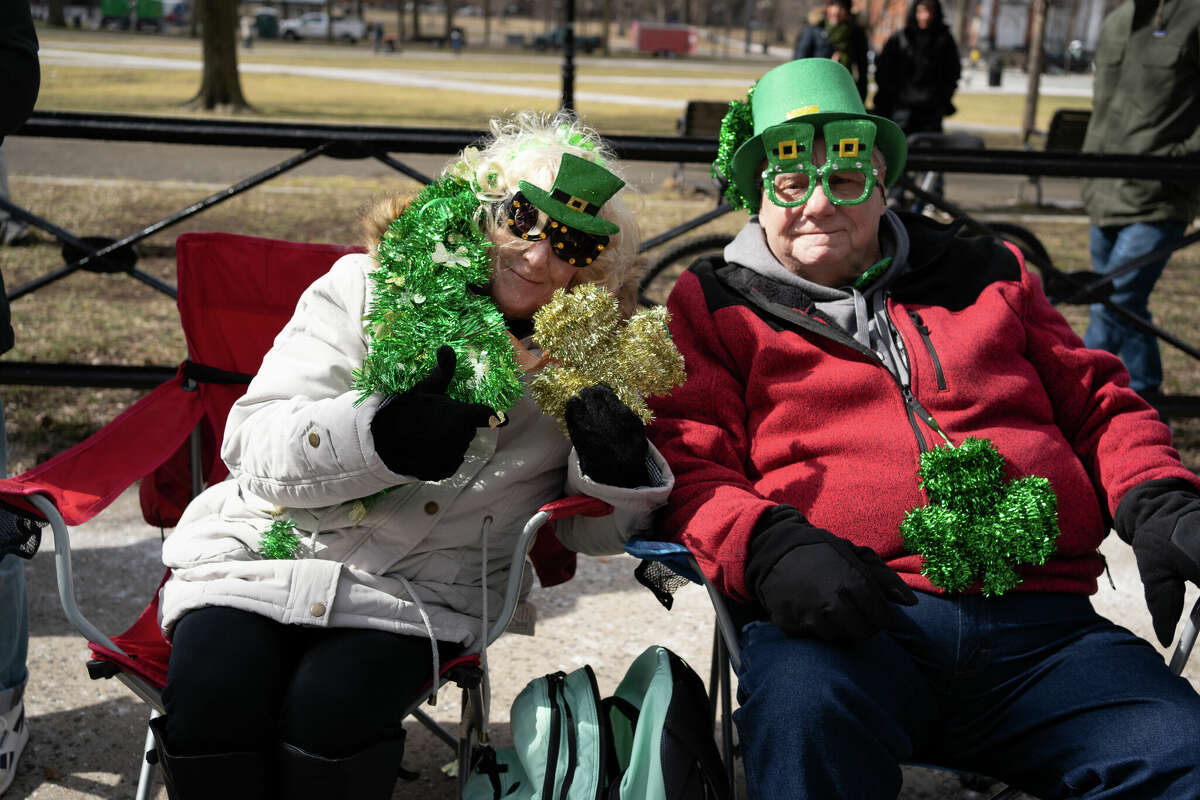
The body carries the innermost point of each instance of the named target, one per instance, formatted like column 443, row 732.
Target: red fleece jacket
column 779, row 412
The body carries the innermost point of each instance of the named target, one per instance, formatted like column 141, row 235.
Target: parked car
column 553, row 40
column 315, row 24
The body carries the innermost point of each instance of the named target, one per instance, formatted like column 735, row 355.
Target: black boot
column 228, row 776
column 369, row 774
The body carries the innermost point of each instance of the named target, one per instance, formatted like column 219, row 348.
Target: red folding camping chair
column 235, row 294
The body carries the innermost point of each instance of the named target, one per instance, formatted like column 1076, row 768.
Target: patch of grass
column 274, row 96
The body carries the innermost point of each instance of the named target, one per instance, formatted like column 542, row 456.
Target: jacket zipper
column 554, row 683
column 937, row 363
column 913, row 408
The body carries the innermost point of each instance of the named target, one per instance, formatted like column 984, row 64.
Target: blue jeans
column 1035, row 689
column 1111, row 247
column 14, row 611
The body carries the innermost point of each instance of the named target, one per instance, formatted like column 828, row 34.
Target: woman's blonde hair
column 529, row 147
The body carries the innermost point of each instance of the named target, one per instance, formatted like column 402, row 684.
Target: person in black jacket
column 18, row 91
column 838, row 36
column 918, row 71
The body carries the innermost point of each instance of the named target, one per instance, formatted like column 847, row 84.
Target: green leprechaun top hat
column 580, row 188
column 815, row 91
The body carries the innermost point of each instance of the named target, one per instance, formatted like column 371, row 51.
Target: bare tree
column 220, row 87
column 416, row 20
column 487, row 23
column 399, row 23
column 451, row 7
column 329, row 20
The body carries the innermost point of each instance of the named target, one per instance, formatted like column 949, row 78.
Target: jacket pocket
column 1154, row 81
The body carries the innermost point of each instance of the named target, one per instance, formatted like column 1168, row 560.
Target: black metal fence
column 116, row 254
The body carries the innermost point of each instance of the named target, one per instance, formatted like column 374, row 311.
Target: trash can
column 995, row 70
column 266, row 23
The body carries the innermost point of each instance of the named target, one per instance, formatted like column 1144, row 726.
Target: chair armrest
column 85, row 479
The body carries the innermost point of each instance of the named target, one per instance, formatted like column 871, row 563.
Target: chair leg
column 369, row 774
column 146, row 775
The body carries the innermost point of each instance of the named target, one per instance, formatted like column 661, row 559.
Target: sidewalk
column 86, row 735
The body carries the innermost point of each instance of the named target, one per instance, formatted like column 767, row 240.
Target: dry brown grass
column 113, row 319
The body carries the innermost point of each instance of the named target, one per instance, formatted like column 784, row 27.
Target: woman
column 288, row 677
column 918, row 71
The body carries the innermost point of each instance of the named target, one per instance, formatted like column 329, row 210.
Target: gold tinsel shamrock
column 976, row 527
column 587, row 342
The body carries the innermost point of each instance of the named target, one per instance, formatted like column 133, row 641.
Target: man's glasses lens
column 847, row 185
column 791, row 188
column 523, row 218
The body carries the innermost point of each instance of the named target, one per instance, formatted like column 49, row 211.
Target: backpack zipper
column 554, row 684
column 572, row 747
column 937, row 364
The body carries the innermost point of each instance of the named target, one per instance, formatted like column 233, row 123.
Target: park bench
column 1064, row 134
column 701, row 118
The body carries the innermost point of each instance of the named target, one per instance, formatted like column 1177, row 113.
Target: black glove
column 609, row 438
column 1161, row 519
column 424, row 433
column 813, row 583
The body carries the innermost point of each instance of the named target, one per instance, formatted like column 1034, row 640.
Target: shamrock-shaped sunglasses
column 847, row 176
column 526, row 221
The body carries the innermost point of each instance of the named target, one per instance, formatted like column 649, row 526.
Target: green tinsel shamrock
column 432, row 261
column 583, row 332
column 280, row 541
column 737, row 126
column 976, row 527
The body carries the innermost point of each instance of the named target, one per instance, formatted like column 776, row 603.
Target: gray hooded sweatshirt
column 861, row 313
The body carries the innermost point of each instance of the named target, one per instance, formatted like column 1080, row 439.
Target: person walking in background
column 918, row 71
column 837, row 35
column 1145, row 103
column 22, row 77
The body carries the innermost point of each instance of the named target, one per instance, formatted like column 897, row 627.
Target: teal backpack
column 651, row 740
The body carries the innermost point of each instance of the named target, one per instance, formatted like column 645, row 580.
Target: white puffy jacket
column 297, row 442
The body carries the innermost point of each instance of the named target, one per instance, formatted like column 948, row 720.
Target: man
column 836, row 349
column 1146, row 103
column 838, row 36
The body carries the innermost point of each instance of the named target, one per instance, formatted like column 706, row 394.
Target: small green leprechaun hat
column 813, row 91
column 580, row 188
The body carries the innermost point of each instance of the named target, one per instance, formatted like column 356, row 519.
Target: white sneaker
column 14, row 733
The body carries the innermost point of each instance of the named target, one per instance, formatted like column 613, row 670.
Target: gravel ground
column 86, row 735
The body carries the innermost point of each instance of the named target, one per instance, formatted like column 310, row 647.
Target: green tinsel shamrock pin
column 737, row 126
column 976, row 527
column 583, row 334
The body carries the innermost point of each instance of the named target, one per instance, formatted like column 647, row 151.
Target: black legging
column 240, row 682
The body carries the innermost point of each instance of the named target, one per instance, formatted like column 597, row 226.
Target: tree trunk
column 197, row 10
column 55, row 15
column 605, row 31
column 416, row 19
column 487, row 23
column 399, row 23
column 1037, row 41
column 329, row 20
column 220, row 87
column 451, row 7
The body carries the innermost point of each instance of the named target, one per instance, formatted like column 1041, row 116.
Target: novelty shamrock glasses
column 525, row 221
column 847, row 176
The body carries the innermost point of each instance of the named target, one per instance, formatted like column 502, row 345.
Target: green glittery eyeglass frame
column 847, row 176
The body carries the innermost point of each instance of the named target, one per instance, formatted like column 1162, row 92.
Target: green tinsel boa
column 976, row 527
column 737, row 126
column 428, row 291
